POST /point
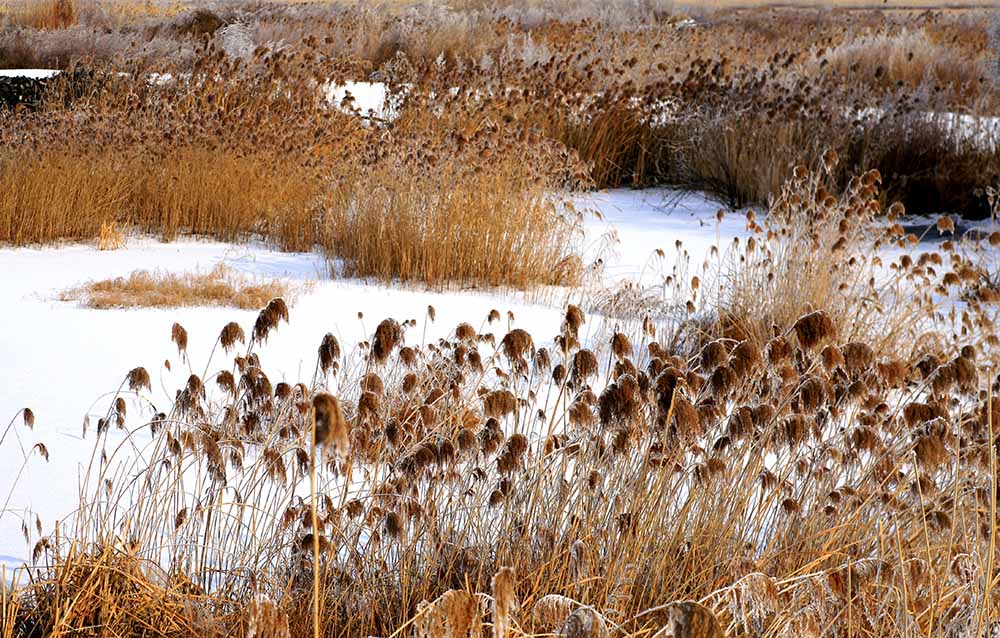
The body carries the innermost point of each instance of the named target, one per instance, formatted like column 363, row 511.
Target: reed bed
column 724, row 103
column 796, row 440
column 658, row 476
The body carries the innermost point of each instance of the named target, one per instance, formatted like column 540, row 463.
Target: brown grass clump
column 44, row 14
column 221, row 286
column 435, row 213
column 331, row 427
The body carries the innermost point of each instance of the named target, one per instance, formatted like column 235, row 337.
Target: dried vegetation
column 753, row 470
column 220, row 286
column 799, row 440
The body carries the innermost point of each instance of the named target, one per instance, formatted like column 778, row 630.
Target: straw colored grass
column 59, row 195
column 42, row 14
column 222, row 286
column 452, row 222
column 773, row 469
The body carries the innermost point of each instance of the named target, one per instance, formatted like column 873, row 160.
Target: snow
column 66, row 362
column 34, row 74
column 370, row 99
column 980, row 130
column 644, row 221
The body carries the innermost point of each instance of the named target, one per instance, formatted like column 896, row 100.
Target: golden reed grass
column 723, row 482
column 42, row 14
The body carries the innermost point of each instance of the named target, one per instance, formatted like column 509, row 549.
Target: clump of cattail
column 388, row 335
column 917, row 413
column 465, row 332
column 498, row 403
column 180, row 337
column 619, row 401
column 621, row 347
column 329, row 353
column 543, row 360
column 744, row 358
column 408, row 356
column 712, row 355
column 858, row 357
column 929, row 445
column 517, row 344
column 778, row 350
column 558, row 374
column 504, row 601
column 513, row 451
column 138, row 379
column 574, row 319
column 832, row 357
column 268, row 319
column 331, row 427
column 368, row 405
column 583, row 366
column 813, row 329
column 371, row 382
column 722, row 381
column 686, row 420
column 814, row 392
column 966, row 374
column 945, row 224
column 393, row 524
column 231, row 334
column 490, row 436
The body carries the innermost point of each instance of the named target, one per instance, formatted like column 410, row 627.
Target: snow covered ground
column 66, row 362
column 34, row 74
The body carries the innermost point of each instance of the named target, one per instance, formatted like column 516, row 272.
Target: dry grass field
column 804, row 445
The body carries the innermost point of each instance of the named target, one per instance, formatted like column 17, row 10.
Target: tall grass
column 441, row 213
column 795, row 488
column 43, row 14
column 59, row 195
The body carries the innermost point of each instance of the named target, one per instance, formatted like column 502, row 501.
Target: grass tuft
column 221, row 286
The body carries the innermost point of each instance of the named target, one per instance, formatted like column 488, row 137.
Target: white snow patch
column 34, row 74
column 370, row 99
